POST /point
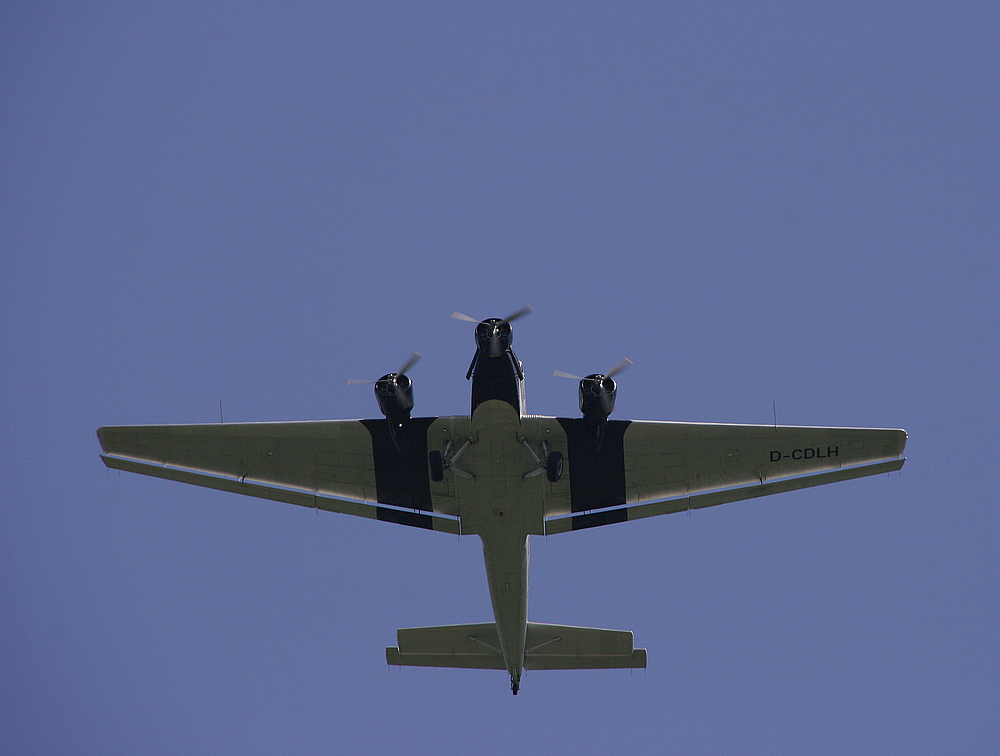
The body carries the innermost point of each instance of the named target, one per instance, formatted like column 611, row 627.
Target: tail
column 546, row 647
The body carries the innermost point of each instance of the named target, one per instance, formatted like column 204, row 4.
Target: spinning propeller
column 597, row 400
column 413, row 359
column 509, row 319
column 394, row 392
column 610, row 374
column 493, row 337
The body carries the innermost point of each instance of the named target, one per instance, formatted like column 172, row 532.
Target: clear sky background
column 252, row 202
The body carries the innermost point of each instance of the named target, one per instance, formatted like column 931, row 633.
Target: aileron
column 286, row 495
column 714, row 498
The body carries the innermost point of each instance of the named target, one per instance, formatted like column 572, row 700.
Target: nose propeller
column 509, row 319
column 493, row 337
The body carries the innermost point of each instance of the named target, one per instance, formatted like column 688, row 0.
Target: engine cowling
column 494, row 336
column 394, row 393
column 597, row 397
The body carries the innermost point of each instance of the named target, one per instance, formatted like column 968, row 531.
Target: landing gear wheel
column 515, row 685
column 437, row 466
column 554, row 467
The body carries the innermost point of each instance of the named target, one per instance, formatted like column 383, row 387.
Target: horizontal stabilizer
column 546, row 647
column 568, row 647
column 467, row 646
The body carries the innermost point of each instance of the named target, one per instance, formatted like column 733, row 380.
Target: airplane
column 503, row 475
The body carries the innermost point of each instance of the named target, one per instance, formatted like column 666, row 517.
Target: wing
column 644, row 469
column 349, row 466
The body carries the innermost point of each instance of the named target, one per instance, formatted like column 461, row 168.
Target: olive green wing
column 642, row 469
column 348, row 466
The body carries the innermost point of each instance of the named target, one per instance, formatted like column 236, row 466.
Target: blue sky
column 245, row 202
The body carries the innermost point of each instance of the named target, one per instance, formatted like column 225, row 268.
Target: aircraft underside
column 504, row 476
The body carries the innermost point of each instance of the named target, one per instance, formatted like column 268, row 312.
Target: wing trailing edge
column 288, row 495
column 713, row 498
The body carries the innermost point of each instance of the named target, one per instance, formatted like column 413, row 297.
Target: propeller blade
column 519, row 314
column 510, row 318
column 618, row 368
column 613, row 372
column 414, row 358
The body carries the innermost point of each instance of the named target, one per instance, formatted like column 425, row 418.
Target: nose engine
column 493, row 336
column 495, row 367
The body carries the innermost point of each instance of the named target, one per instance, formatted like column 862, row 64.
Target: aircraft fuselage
column 504, row 519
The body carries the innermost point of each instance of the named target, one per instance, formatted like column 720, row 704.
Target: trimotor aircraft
column 503, row 475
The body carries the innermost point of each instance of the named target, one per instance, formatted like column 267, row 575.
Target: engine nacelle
column 394, row 393
column 597, row 396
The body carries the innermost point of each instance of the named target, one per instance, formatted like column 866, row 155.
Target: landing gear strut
column 515, row 685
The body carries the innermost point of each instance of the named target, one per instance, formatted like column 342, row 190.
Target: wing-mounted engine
column 597, row 396
column 394, row 393
column 597, row 399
